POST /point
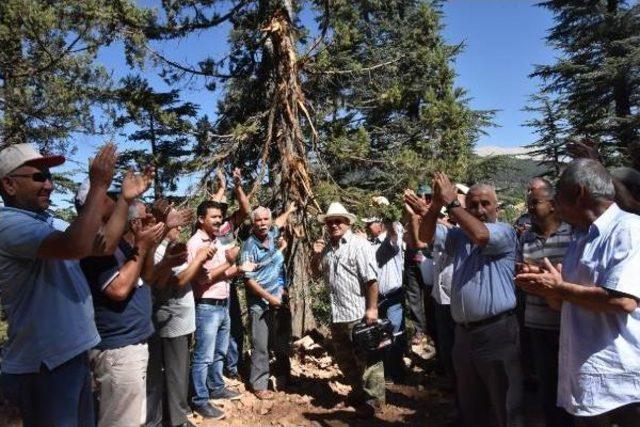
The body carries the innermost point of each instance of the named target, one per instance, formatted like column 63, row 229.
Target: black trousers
column 544, row 346
column 625, row 416
column 488, row 372
column 415, row 293
column 168, row 376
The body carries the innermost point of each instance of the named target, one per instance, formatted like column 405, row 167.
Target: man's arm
column 371, row 300
column 548, row 283
column 429, row 214
column 127, row 279
column 258, row 290
column 78, row 239
column 133, row 186
column 281, row 220
column 243, row 201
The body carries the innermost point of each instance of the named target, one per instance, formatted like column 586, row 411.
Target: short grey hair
column 483, row 187
column 589, row 174
column 259, row 210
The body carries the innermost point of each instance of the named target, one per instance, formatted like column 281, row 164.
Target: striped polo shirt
column 533, row 248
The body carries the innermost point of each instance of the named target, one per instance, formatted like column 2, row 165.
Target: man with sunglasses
column 352, row 276
column 45, row 365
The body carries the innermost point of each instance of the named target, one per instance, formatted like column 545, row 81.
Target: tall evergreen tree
column 550, row 125
column 596, row 79
column 164, row 127
column 49, row 80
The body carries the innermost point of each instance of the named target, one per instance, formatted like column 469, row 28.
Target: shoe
column 209, row 411
column 225, row 393
column 368, row 408
column 264, row 394
column 418, row 338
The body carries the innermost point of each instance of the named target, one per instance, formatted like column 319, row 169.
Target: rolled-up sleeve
column 365, row 262
column 623, row 269
column 502, row 239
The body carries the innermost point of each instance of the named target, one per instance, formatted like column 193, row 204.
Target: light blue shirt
column 269, row 260
column 482, row 282
column 47, row 302
column 599, row 363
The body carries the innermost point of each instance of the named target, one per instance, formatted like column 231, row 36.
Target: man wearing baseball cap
column 45, row 366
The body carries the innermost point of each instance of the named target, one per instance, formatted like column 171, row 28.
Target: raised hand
column 237, row 177
column 134, row 185
column 417, row 204
column 444, row 190
column 147, row 237
column 102, row 167
column 178, row 218
column 222, row 181
column 206, row 253
column 318, row 246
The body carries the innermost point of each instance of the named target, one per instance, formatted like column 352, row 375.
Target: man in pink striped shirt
column 211, row 291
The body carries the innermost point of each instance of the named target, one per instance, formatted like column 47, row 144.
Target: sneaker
column 209, row 411
column 225, row 393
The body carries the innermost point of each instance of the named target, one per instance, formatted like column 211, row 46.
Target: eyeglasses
column 37, row 176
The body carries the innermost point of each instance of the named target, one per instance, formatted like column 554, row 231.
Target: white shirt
column 389, row 259
column 442, row 274
column 599, row 361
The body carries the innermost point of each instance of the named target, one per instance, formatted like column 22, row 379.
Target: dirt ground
column 317, row 397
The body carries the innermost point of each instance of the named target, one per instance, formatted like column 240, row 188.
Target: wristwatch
column 454, row 204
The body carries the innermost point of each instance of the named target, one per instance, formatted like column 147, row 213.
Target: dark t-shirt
column 120, row 323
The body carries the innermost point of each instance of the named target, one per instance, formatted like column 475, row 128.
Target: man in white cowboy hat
column 45, row 365
column 351, row 274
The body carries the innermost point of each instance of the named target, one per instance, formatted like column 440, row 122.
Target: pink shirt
column 202, row 286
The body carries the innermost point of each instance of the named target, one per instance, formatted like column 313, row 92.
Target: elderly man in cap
column 351, row 274
column 45, row 364
column 386, row 245
column 597, row 287
column 486, row 353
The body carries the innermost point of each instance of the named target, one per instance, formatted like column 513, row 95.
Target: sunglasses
column 37, row 176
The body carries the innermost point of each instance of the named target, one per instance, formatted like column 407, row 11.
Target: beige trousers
column 121, row 378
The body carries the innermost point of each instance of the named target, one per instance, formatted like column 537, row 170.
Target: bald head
column 482, row 202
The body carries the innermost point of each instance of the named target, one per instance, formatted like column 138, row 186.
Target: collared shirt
column 120, row 323
column 347, row 269
column 482, row 284
column 533, row 248
column 203, row 287
column 442, row 274
column 389, row 258
column 175, row 308
column 46, row 301
column 599, row 363
column 269, row 270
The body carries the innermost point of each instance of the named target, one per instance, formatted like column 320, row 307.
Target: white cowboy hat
column 336, row 210
column 372, row 219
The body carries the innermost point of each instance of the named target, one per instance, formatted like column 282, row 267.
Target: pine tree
column 551, row 127
column 596, row 79
column 164, row 127
column 49, row 80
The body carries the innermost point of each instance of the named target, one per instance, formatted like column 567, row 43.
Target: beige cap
column 14, row 156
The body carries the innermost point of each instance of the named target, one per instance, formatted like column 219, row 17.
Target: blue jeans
column 212, row 341
column 60, row 397
column 391, row 308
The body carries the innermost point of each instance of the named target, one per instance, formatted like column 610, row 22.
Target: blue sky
column 503, row 39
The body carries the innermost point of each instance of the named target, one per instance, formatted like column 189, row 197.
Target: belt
column 489, row 320
column 213, row 301
column 397, row 292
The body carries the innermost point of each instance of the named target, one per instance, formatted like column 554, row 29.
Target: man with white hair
column 267, row 297
column 597, row 286
column 351, row 274
column 486, row 352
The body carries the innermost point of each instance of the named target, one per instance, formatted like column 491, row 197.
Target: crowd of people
column 115, row 321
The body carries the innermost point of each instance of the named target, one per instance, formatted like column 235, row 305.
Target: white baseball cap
column 14, row 156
